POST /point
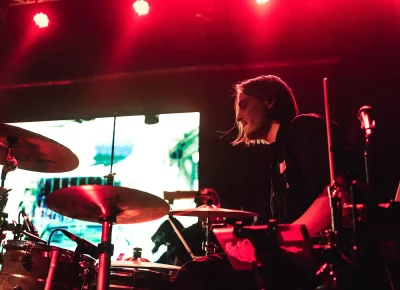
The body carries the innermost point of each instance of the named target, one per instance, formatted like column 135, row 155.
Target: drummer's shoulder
column 307, row 119
column 306, row 125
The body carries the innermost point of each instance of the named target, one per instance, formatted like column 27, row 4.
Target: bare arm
column 318, row 216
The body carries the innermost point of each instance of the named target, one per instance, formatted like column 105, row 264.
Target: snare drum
column 139, row 279
column 25, row 265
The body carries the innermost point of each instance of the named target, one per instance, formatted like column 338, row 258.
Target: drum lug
column 85, row 266
column 26, row 261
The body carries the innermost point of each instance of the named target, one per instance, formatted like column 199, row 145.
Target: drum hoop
column 28, row 246
column 124, row 270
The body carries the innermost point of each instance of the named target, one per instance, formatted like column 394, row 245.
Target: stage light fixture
column 41, row 20
column 141, row 7
column 261, row 2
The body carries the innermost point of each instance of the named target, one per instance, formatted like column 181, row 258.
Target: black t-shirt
column 300, row 167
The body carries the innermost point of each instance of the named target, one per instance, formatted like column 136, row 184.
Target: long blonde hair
column 262, row 87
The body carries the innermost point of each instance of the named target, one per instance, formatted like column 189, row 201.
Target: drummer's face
column 252, row 114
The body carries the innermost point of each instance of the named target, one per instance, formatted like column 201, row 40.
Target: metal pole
column 103, row 278
column 50, row 275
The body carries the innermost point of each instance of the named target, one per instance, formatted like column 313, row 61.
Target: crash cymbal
column 143, row 265
column 215, row 212
column 35, row 152
column 92, row 202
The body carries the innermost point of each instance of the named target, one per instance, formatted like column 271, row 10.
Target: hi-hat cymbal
column 93, row 202
column 142, row 265
column 213, row 211
column 35, row 152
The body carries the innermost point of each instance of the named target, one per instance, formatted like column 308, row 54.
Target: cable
column 51, row 234
column 19, row 217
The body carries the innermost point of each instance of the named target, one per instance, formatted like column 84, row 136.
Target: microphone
column 87, row 247
column 16, row 229
column 364, row 115
column 28, row 225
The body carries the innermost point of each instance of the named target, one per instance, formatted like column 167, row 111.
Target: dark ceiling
column 96, row 37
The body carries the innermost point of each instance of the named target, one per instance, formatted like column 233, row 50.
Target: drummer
column 194, row 235
column 267, row 113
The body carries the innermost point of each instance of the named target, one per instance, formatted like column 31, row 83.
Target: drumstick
column 328, row 132
column 52, row 268
column 332, row 192
column 182, row 239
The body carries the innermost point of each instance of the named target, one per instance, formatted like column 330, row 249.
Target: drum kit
column 32, row 263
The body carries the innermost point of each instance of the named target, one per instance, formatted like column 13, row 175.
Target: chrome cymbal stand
column 106, row 248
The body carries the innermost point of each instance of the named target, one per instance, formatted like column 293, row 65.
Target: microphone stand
column 367, row 124
column 75, row 263
column 17, row 230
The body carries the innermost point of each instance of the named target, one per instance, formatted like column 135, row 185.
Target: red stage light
column 41, row 20
column 141, row 7
column 261, row 2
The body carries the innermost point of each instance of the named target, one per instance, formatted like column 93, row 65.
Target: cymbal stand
column 10, row 164
column 206, row 243
column 207, row 246
column 106, row 248
column 3, row 215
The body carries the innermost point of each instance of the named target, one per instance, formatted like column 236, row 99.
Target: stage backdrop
column 152, row 158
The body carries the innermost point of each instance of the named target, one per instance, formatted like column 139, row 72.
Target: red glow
column 141, row 7
column 41, row 20
column 261, row 2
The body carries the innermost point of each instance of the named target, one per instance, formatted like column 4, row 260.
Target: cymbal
column 143, row 265
column 35, row 152
column 205, row 210
column 93, row 202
